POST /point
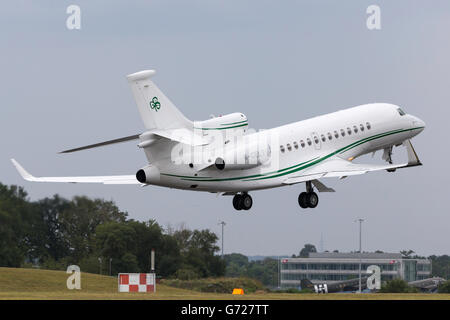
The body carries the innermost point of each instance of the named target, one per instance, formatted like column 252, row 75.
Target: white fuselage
column 347, row 134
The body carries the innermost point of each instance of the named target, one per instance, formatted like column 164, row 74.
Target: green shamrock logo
column 154, row 104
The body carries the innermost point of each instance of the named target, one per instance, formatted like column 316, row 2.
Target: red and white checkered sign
column 137, row 282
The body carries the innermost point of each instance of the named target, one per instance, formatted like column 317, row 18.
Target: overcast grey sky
column 277, row 62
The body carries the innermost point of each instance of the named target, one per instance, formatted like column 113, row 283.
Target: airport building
column 329, row 267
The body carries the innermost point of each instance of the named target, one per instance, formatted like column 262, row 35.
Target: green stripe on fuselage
column 297, row 167
column 341, row 150
column 229, row 124
column 223, row 128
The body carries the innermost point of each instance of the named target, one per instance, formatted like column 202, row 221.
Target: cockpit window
column 401, row 112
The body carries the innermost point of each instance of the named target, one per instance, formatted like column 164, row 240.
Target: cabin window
column 282, row 148
column 401, row 112
column 323, row 138
column 342, row 132
column 336, row 134
column 309, row 141
column 316, row 140
column 349, row 131
column 330, row 136
column 368, row 125
column 302, row 143
column 361, row 127
column 289, row 147
column 295, row 145
column 355, row 128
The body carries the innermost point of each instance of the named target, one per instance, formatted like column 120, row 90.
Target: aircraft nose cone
column 418, row 123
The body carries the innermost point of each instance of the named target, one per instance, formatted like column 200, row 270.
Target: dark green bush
column 444, row 287
column 217, row 285
column 397, row 286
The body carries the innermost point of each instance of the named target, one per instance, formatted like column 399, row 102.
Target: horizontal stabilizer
column 105, row 143
column 123, row 179
column 182, row 135
column 179, row 135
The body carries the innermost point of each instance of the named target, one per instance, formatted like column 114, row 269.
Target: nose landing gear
column 242, row 201
column 308, row 199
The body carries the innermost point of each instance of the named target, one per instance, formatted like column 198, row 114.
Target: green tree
column 236, row 265
column 170, row 259
column 117, row 241
column 197, row 249
column 441, row 266
column 397, row 286
column 236, row 258
column 48, row 242
column 307, row 249
column 15, row 227
column 444, row 287
column 406, row 254
column 80, row 220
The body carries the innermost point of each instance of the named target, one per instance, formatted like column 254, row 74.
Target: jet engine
column 149, row 174
column 243, row 157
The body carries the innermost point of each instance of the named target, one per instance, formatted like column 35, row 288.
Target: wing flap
column 337, row 167
column 303, row 178
column 120, row 179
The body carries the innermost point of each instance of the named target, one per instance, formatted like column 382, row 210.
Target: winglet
column 413, row 159
column 24, row 173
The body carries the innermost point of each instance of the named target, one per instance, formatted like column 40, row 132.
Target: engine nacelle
column 243, row 157
column 149, row 174
column 236, row 123
column 221, row 165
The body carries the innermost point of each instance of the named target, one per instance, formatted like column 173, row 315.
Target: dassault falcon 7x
column 222, row 155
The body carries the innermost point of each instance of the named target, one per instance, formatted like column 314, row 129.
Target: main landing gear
column 242, row 201
column 308, row 199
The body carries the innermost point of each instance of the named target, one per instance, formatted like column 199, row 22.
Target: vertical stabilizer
column 157, row 111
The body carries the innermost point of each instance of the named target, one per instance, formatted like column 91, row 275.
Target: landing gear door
column 316, row 140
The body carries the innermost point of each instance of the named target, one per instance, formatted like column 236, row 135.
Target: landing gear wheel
column 302, row 200
column 237, row 200
column 242, row 201
column 246, row 202
column 312, row 199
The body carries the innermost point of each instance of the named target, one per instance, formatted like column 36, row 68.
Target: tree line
column 96, row 235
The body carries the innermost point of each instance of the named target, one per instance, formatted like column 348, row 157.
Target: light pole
column 360, row 220
column 223, row 224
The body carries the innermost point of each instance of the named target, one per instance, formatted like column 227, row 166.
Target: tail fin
column 155, row 108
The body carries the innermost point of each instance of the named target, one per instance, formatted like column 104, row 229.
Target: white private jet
column 191, row 155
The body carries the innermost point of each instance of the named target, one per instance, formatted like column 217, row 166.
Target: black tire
column 302, row 200
column 237, row 202
column 246, row 202
column 313, row 199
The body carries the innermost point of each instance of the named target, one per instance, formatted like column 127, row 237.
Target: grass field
column 48, row 284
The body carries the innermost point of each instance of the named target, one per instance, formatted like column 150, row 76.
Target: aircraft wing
column 123, row 179
column 337, row 167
